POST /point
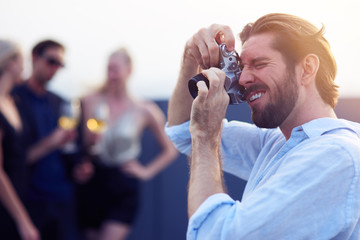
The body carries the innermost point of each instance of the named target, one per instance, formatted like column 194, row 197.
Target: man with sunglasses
column 50, row 197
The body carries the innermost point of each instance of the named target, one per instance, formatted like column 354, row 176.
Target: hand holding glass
column 69, row 119
column 98, row 122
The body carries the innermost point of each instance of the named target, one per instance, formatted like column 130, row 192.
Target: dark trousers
column 55, row 221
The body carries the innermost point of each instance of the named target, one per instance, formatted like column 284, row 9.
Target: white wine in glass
column 67, row 123
column 68, row 120
column 96, row 125
column 69, row 115
column 98, row 122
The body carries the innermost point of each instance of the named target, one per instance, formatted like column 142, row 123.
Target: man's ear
column 310, row 66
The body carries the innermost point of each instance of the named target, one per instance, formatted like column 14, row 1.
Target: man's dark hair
column 42, row 46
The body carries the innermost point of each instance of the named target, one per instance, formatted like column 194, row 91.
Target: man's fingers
column 205, row 56
column 223, row 34
column 215, row 76
column 216, row 79
column 202, row 91
column 194, row 51
column 209, row 47
column 214, row 52
column 204, row 44
column 229, row 41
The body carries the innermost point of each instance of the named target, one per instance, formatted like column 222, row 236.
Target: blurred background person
column 15, row 222
column 50, row 195
column 112, row 128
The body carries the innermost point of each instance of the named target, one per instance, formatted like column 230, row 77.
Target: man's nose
column 246, row 77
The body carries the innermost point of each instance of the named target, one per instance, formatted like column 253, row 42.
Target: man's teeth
column 255, row 96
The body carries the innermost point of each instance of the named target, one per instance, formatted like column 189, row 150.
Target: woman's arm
column 12, row 203
column 155, row 120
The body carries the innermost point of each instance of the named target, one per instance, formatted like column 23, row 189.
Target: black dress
column 14, row 165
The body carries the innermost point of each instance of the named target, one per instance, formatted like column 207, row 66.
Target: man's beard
column 275, row 112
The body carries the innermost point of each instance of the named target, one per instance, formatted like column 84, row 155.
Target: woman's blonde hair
column 124, row 53
column 8, row 51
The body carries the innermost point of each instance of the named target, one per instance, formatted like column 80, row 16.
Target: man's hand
column 209, row 107
column 204, row 45
column 59, row 137
column 207, row 113
column 83, row 172
column 201, row 50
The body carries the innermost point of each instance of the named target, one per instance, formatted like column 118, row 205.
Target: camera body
column 229, row 62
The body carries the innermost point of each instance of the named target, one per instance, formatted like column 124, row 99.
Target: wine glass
column 97, row 123
column 69, row 120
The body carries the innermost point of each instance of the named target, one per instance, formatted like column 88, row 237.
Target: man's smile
column 255, row 95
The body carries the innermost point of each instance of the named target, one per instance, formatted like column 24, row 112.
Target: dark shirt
column 48, row 180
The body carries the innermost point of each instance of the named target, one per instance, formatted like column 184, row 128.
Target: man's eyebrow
column 255, row 60
column 258, row 59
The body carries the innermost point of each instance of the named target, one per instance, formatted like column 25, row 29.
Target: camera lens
column 192, row 84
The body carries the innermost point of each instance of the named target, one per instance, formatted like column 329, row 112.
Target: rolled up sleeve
column 208, row 221
column 180, row 136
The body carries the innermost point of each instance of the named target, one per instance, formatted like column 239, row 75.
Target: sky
column 155, row 33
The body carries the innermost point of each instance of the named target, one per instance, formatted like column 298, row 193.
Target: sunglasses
column 53, row 62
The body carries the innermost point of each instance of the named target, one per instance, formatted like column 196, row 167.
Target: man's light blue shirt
column 305, row 188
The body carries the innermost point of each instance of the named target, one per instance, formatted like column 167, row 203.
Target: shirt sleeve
column 312, row 196
column 241, row 144
column 180, row 136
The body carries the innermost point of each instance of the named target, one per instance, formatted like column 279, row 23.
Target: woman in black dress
column 15, row 222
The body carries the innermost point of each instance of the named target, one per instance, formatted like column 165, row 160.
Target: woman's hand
column 28, row 231
column 135, row 169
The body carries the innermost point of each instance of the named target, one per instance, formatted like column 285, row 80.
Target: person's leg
column 91, row 205
column 112, row 230
column 66, row 221
column 41, row 215
column 120, row 195
column 91, row 234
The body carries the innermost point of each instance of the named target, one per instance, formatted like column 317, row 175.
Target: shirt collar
column 320, row 126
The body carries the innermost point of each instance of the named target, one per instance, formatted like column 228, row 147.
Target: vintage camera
column 229, row 63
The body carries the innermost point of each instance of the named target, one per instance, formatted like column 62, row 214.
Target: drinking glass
column 69, row 120
column 98, row 122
